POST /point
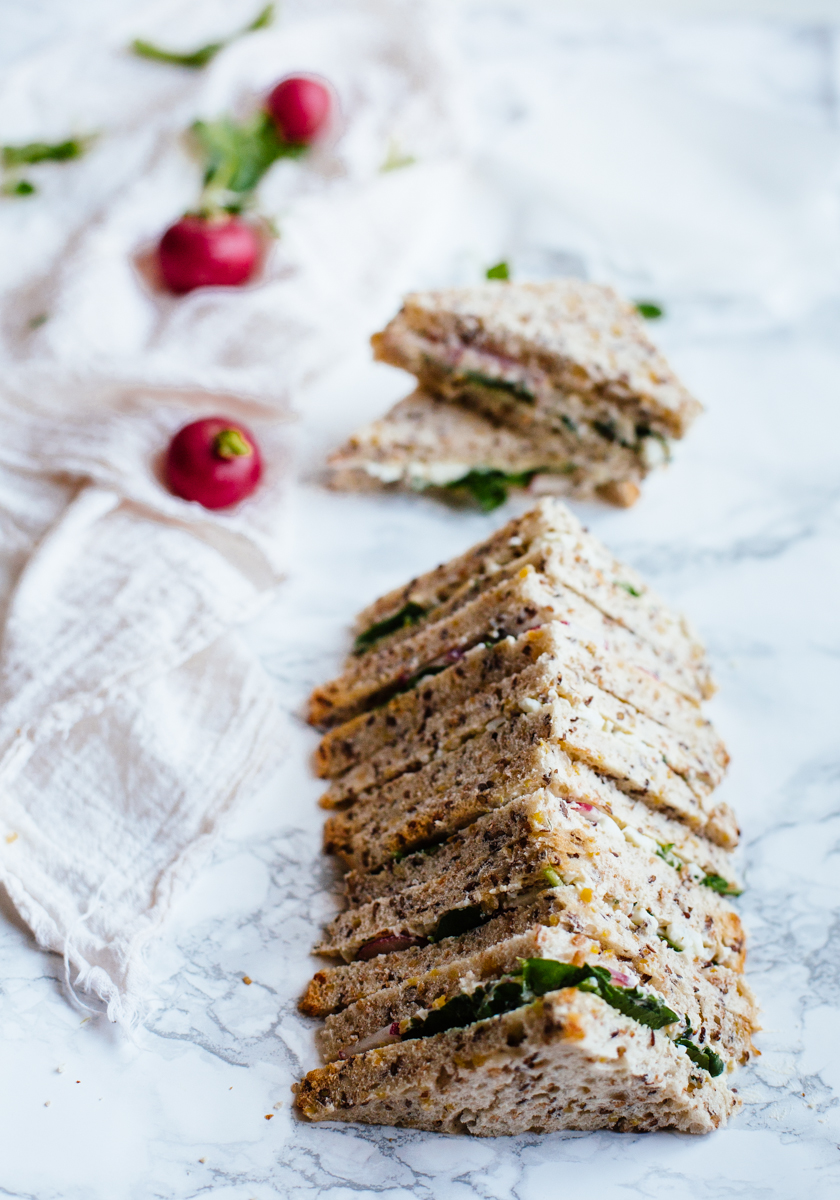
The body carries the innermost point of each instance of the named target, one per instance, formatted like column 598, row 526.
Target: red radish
column 300, row 106
column 208, row 252
column 214, row 461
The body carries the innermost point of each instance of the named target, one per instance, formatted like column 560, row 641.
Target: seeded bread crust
column 434, row 588
column 521, row 749
column 565, row 1062
column 546, row 562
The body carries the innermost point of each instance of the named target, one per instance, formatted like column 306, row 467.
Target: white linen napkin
column 132, row 717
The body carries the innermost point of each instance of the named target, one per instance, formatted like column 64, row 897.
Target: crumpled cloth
column 133, row 718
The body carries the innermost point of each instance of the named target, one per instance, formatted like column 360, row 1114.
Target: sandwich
column 554, row 386
column 538, row 931
column 457, row 454
column 535, row 1035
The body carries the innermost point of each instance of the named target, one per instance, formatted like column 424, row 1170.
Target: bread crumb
column 247, row 979
column 622, row 493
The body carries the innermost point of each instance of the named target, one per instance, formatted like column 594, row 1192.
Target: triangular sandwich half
column 552, row 385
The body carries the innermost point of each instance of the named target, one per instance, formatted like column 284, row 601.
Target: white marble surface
column 742, row 532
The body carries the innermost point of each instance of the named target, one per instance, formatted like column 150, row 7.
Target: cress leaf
column 37, row 152
column 702, row 1056
column 503, row 997
column 499, row 271
column 458, row 1012
column 395, row 159
column 236, row 156
column 606, row 429
column 490, row 488
column 458, row 921
column 543, row 975
column 537, row 977
column 665, row 851
column 17, row 187
column 463, row 1009
column 409, row 614
column 196, row 59
column 513, row 386
column 642, row 1007
column 720, row 885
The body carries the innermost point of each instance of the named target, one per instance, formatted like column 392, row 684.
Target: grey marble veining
column 743, row 533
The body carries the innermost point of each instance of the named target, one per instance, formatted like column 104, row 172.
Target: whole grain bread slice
column 426, row 444
column 531, row 352
column 719, row 1005
column 553, row 541
column 669, row 840
column 568, row 1061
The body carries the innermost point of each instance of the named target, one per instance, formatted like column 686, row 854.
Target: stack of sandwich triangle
column 537, row 933
column 554, row 386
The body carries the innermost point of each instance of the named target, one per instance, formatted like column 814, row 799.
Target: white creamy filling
column 418, row 474
column 685, row 938
column 636, row 838
column 436, row 474
column 642, row 919
column 653, row 452
column 384, row 472
column 641, row 840
column 609, row 828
